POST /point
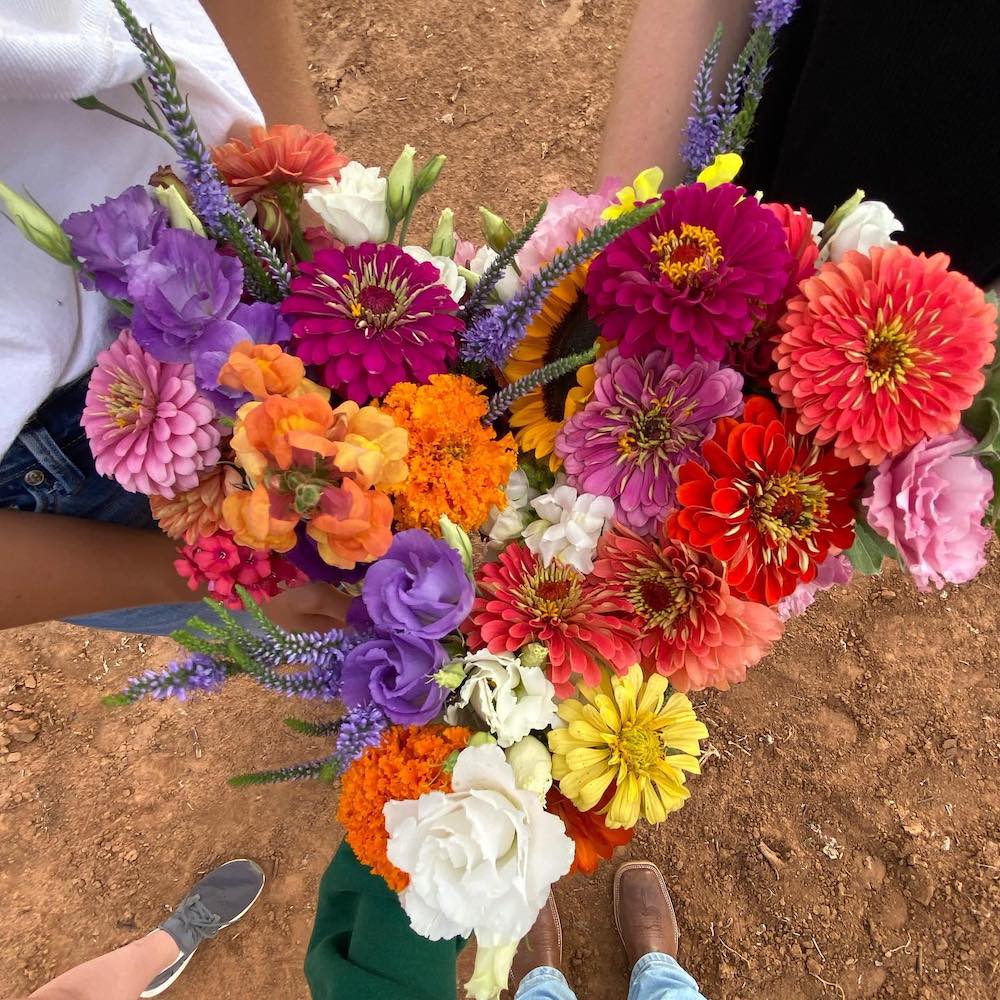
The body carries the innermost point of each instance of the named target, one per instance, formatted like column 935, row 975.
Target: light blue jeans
column 654, row 977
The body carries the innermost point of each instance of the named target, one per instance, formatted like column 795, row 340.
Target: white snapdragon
column 569, row 526
column 505, row 525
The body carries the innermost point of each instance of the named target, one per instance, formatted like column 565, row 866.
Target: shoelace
column 194, row 914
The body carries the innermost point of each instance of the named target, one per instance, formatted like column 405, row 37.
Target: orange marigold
column 408, row 763
column 197, row 511
column 457, row 466
column 279, row 154
column 262, row 370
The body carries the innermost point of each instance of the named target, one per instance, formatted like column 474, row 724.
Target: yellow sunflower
column 628, row 733
column 562, row 328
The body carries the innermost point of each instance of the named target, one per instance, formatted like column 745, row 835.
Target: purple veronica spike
column 361, row 728
column 179, row 680
column 772, row 14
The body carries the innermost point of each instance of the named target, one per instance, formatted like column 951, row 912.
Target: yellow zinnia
column 630, row 734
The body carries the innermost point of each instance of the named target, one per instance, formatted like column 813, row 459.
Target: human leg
column 535, row 973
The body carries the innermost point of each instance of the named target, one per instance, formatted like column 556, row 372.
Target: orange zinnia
column 286, row 428
column 588, row 831
column 353, row 525
column 251, row 516
column 275, row 155
column 197, row 512
column 408, row 763
column 262, row 370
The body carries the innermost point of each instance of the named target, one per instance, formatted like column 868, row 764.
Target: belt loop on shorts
column 51, row 457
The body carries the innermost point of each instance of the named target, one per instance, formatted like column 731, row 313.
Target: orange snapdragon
column 370, row 445
column 262, row 370
column 284, row 428
column 352, row 525
column 254, row 521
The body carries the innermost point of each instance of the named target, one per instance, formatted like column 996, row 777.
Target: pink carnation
column 147, row 425
column 566, row 215
column 930, row 502
column 833, row 571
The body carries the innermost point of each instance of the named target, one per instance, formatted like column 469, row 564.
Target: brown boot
column 644, row 914
column 542, row 946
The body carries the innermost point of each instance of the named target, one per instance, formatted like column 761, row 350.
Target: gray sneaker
column 217, row 901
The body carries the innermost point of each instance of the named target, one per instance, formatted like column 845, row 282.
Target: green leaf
column 869, row 550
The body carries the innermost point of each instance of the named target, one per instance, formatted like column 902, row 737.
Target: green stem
column 93, row 104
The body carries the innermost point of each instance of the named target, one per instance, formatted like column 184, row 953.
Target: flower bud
column 451, row 676
column 37, row 225
column 399, row 194
column 534, row 654
column 443, row 242
column 498, row 234
column 181, row 216
column 839, row 214
column 450, row 761
column 307, row 496
column 483, row 740
column 458, row 540
column 532, row 765
column 428, row 175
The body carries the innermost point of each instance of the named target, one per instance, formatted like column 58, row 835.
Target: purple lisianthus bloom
column 259, row 322
column 647, row 417
column 419, row 587
column 395, row 671
column 107, row 236
column 180, row 288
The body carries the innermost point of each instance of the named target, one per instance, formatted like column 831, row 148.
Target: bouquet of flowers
column 569, row 476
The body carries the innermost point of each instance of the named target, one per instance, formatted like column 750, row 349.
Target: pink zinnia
column 881, row 352
column 371, row 316
column 147, row 425
column 647, row 417
column 692, row 628
column 567, row 215
column 692, row 278
column 930, row 504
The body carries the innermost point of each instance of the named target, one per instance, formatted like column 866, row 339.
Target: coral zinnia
column 561, row 329
column 627, row 732
column 524, row 601
column 693, row 629
column 647, row 417
column 594, row 840
column 456, row 466
column 407, row 763
column 277, row 154
column 372, row 316
column 147, row 426
column 197, row 511
column 884, row 351
column 770, row 505
column 693, row 277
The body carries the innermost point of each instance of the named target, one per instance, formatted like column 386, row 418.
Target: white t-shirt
column 52, row 51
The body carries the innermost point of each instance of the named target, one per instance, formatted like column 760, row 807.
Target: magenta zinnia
column 371, row 316
column 647, row 417
column 521, row 601
column 692, row 278
column 146, row 423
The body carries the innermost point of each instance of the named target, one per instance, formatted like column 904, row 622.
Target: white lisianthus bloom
column 532, row 765
column 353, row 208
column 447, row 269
column 509, row 284
column 569, row 527
column 481, row 858
column 510, row 698
column 505, row 525
column 869, row 224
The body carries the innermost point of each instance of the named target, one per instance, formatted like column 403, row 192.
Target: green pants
column 363, row 948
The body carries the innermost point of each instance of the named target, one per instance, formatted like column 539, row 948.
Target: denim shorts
column 49, row 469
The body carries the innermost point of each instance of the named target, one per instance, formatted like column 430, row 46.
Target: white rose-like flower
column 505, row 525
column 353, row 208
column 870, row 224
column 447, row 269
column 510, row 698
column 508, row 286
column 568, row 527
column 481, row 858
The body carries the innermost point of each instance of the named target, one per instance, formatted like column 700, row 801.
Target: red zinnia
column 523, row 601
column 881, row 352
column 588, row 831
column 770, row 505
column 693, row 629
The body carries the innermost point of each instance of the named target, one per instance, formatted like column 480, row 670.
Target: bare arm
column 650, row 104
column 265, row 40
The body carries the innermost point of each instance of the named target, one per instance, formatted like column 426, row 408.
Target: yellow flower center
column 123, row 401
column 638, row 748
column 552, row 592
column 686, row 256
column 659, row 597
column 790, row 506
column 654, row 433
column 889, row 354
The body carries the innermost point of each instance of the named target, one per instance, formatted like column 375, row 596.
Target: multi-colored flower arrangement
column 570, row 476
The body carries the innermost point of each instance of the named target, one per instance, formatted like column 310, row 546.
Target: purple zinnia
column 692, row 278
column 259, row 322
column 180, row 288
column 372, row 316
column 418, row 587
column 647, row 417
column 107, row 236
column 395, row 671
